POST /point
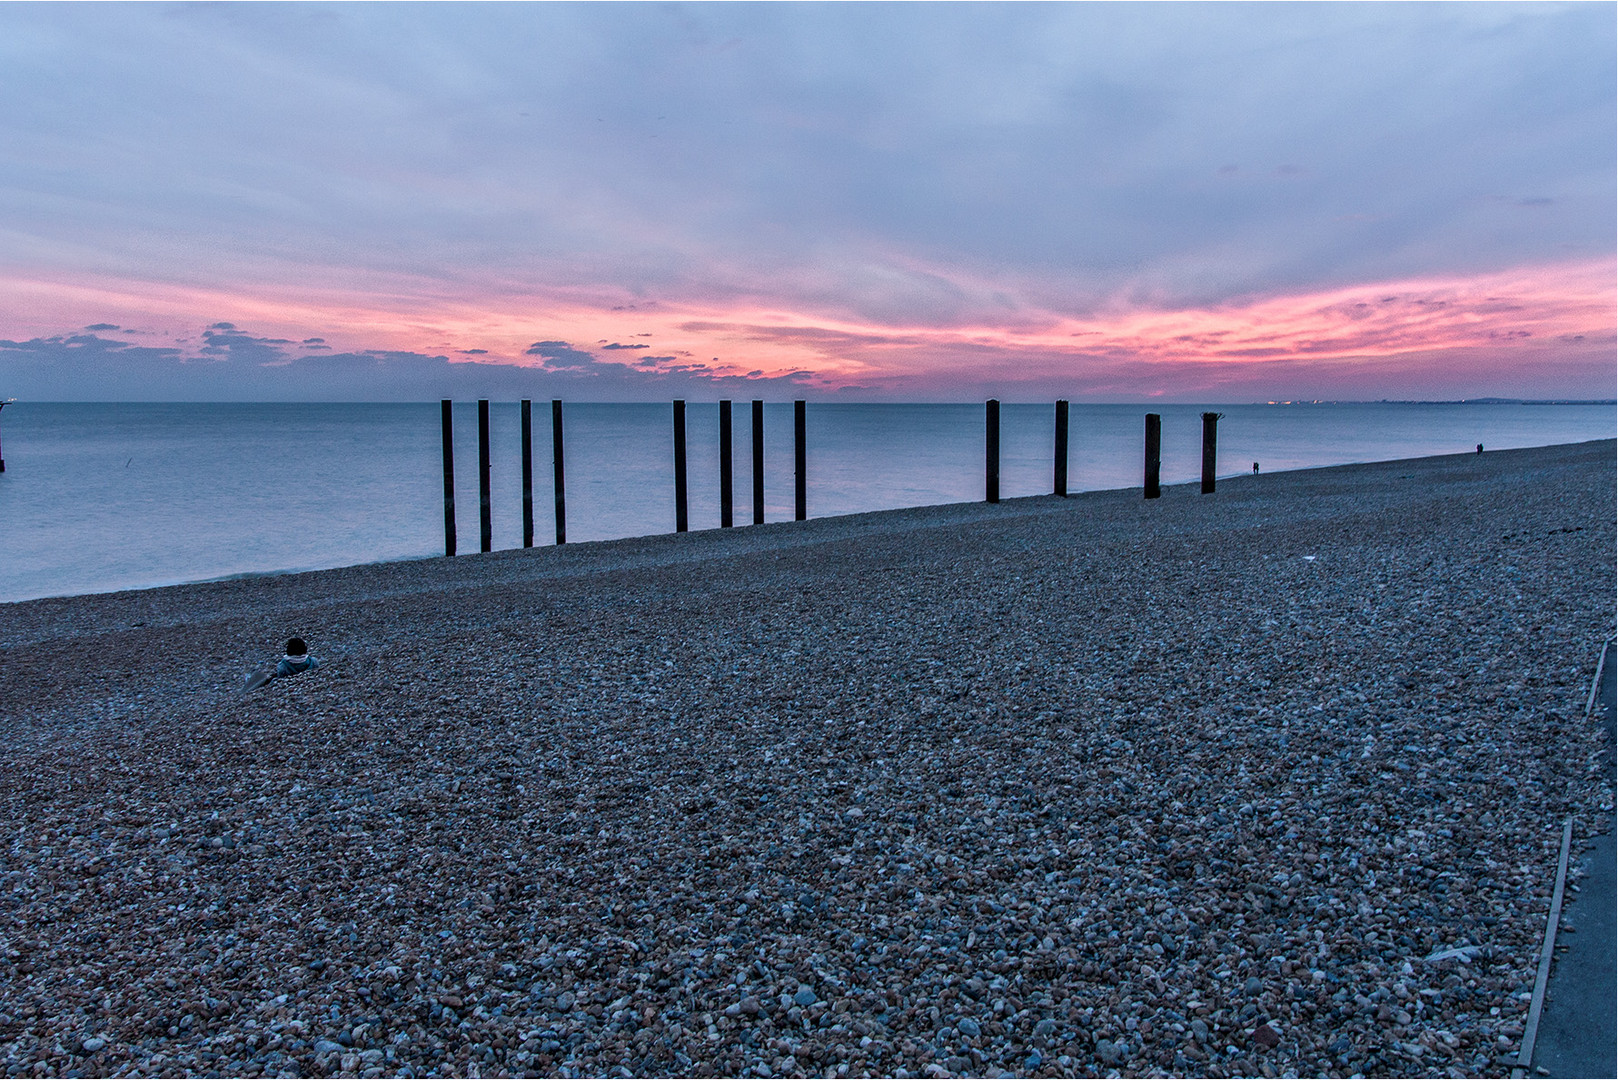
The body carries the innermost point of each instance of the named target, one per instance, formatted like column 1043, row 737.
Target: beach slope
column 1266, row 780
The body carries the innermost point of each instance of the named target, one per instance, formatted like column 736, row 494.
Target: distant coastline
column 1457, row 401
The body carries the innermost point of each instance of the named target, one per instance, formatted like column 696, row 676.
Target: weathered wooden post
column 991, row 450
column 527, row 473
column 8, row 401
column 758, row 462
column 680, row 523
column 725, row 492
column 1210, row 449
column 1061, row 449
column 447, row 423
column 556, row 470
column 1154, row 454
column 800, row 481
column 485, row 510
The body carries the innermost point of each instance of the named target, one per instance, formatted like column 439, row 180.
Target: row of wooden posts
column 991, row 465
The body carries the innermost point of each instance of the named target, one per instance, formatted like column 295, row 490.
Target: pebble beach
column 1269, row 782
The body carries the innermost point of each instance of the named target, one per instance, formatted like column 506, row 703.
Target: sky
column 865, row 202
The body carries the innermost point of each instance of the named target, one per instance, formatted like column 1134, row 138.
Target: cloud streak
column 1546, row 333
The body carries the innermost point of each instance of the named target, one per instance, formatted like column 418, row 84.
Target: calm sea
column 101, row 497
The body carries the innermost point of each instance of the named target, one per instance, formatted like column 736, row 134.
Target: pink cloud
column 1548, row 327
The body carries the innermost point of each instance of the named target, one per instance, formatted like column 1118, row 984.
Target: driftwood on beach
column 1266, row 780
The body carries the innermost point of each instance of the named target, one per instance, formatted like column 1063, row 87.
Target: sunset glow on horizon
column 1442, row 326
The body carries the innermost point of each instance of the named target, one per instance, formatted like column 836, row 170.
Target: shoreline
column 933, row 514
column 1045, row 787
column 287, row 558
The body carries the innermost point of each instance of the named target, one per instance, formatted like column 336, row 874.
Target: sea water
column 101, row 497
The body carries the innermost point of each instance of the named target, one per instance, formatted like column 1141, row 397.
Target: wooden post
column 8, row 401
column 758, row 462
column 1154, row 455
column 485, row 516
column 1061, row 449
column 1210, row 449
column 447, row 423
column 680, row 523
column 527, row 473
column 556, row 470
column 800, row 480
column 725, row 493
column 991, row 450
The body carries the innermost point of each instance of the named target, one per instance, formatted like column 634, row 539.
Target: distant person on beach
column 297, row 660
column 1255, row 468
column 1480, row 448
